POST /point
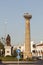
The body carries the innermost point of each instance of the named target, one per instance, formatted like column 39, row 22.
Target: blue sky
column 12, row 11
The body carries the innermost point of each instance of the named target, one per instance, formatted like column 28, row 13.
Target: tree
column 21, row 54
column 3, row 40
column 1, row 45
column 1, row 48
column 15, row 53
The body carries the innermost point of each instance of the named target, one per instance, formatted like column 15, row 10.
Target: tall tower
column 27, row 53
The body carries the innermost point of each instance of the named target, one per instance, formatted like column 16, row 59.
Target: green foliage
column 21, row 55
column 29, row 59
column 15, row 53
column 1, row 49
column 8, row 58
column 12, row 58
column 1, row 45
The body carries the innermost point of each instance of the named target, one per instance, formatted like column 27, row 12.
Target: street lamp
column 5, row 28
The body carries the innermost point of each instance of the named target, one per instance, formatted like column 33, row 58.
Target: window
column 7, row 51
column 34, row 46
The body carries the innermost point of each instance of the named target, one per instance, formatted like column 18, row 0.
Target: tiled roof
column 40, row 44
